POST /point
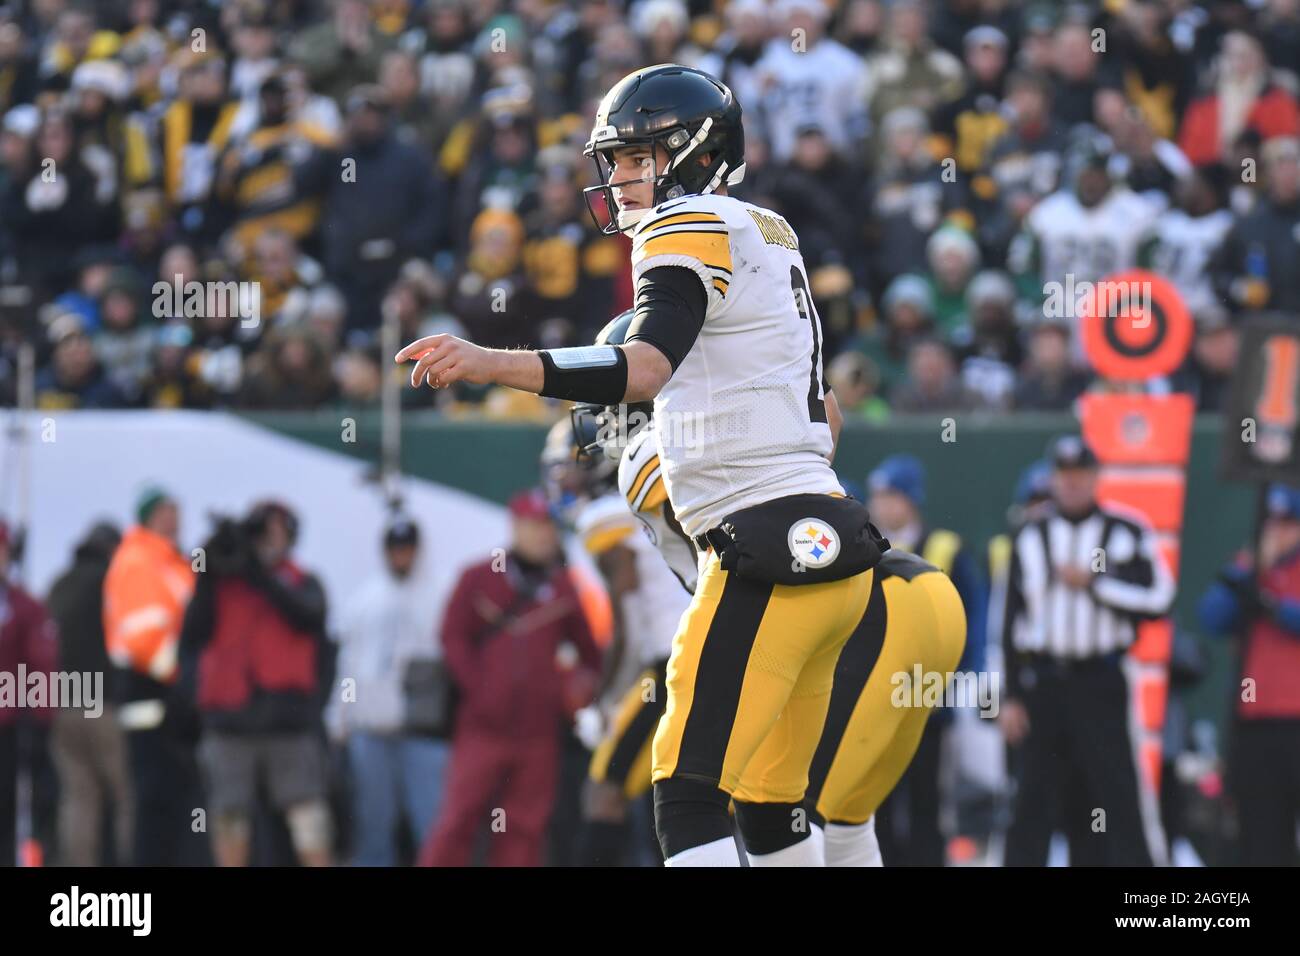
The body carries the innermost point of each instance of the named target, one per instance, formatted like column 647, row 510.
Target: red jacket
column 258, row 653
column 1273, row 114
column 1271, row 654
column 27, row 637
column 504, row 650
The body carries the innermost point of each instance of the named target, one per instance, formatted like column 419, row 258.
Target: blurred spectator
column 28, row 640
column 173, row 381
column 1024, row 165
column 74, row 378
column 737, row 53
column 572, row 271
column 1212, row 363
column 1244, row 98
column 284, row 277
column 54, row 205
column 908, row 317
column 807, row 77
column 76, row 38
column 988, row 346
column 662, row 27
column 1079, row 68
column 290, row 370
column 908, row 199
column 491, row 297
column 195, row 128
column 89, row 749
column 1049, row 382
column 953, row 257
column 968, row 126
column 1186, row 238
column 148, row 585
column 251, row 650
column 395, row 716
column 16, row 63
column 909, row 71
column 255, row 176
column 124, row 345
column 513, row 622
column 1257, row 599
column 932, row 383
column 855, row 381
column 380, row 204
column 343, row 51
column 1255, row 267
column 1085, row 231
column 810, row 193
column 1155, row 74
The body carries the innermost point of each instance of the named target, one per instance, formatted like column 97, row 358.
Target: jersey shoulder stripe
column 688, row 234
column 655, row 495
column 603, row 523
column 649, row 471
column 639, row 468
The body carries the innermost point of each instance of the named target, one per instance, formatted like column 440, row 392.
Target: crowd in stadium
column 944, row 163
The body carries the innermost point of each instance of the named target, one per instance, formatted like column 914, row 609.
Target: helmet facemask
column 684, row 174
column 602, row 432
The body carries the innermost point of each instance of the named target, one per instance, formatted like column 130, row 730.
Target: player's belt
column 715, row 539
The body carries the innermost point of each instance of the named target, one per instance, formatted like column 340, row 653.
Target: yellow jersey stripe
column 710, row 248
column 602, row 540
column 651, row 464
column 656, row 496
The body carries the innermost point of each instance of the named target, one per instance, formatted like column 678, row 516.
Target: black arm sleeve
column 670, row 306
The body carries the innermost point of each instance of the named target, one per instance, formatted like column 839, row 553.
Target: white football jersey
column 743, row 419
column 1089, row 243
column 640, row 479
column 651, row 612
column 826, row 84
column 1182, row 250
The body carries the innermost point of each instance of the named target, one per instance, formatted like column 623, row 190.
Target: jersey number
column 804, row 303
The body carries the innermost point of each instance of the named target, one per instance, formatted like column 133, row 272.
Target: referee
column 1081, row 578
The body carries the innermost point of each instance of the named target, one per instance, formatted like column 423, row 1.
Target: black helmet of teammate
column 687, row 112
column 603, row 431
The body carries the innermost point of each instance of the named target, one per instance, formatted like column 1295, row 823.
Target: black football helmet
column 687, row 112
column 603, row 431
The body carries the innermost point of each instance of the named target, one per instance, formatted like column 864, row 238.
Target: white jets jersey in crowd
column 640, row 480
column 1089, row 244
column 1181, row 249
column 651, row 612
column 825, row 85
column 743, row 419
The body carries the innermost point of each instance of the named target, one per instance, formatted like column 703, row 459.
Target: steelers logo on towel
column 813, row 542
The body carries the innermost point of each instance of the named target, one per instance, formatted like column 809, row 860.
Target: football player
column 647, row 602
column 915, row 619
column 726, row 341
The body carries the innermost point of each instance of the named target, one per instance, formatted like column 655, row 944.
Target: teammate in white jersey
column 726, row 341
column 648, row 600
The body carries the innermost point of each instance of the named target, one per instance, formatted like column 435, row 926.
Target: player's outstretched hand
column 442, row 360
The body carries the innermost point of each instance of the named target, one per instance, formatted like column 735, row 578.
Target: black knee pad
column 689, row 813
column 768, row 827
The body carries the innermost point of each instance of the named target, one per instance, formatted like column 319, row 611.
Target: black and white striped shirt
column 1044, row 615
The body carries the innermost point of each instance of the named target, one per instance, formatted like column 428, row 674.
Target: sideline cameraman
column 250, row 652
